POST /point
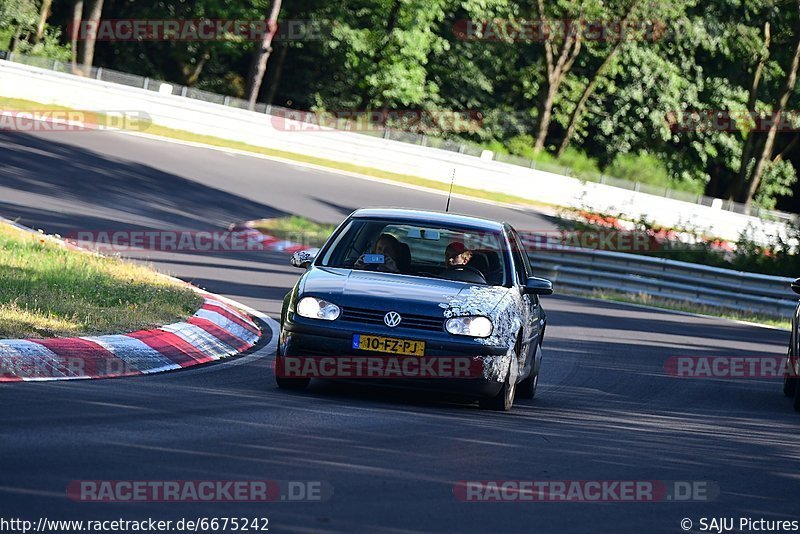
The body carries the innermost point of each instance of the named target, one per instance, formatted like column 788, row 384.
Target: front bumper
column 466, row 367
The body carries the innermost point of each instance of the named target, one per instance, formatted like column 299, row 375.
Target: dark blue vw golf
column 394, row 291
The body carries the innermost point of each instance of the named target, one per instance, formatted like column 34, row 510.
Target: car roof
column 429, row 217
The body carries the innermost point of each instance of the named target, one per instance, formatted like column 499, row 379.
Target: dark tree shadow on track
column 82, row 181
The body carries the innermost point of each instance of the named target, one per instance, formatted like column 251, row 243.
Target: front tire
column 295, row 384
column 790, row 380
column 796, row 396
column 527, row 388
column 504, row 400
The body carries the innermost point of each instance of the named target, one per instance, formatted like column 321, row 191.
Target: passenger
column 456, row 255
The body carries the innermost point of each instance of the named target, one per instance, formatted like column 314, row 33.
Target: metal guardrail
column 668, row 279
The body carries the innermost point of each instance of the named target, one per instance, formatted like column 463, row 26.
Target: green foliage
column 522, row 145
column 641, row 167
column 50, row 46
column 582, row 165
column 778, row 180
column 21, row 14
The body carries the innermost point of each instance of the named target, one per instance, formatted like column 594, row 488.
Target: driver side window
column 521, row 263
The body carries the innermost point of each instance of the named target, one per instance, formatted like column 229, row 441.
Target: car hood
column 412, row 294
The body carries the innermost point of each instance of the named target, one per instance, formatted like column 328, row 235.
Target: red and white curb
column 216, row 331
column 267, row 241
column 219, row 329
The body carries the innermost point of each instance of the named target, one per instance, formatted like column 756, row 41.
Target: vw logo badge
column 392, row 319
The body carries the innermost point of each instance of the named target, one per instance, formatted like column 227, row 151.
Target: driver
column 389, row 246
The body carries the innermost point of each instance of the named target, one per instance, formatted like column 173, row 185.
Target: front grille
column 410, row 320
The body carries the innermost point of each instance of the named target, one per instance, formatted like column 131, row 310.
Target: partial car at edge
column 790, row 381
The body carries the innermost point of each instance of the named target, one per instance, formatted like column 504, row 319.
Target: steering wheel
column 472, row 274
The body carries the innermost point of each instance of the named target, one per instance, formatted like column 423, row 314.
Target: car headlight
column 475, row 326
column 314, row 308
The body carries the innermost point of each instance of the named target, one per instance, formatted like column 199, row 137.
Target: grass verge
column 16, row 104
column 47, row 290
column 296, row 229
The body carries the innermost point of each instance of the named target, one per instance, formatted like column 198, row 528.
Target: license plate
column 389, row 345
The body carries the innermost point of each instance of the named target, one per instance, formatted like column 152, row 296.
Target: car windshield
column 438, row 251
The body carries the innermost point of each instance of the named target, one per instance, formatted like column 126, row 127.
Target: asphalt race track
column 605, row 409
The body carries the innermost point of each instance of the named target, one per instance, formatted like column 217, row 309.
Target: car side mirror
column 796, row 286
column 538, row 286
column 303, row 258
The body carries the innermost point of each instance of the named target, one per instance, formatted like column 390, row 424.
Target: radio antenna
column 452, row 180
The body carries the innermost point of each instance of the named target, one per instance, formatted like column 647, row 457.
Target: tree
column 558, row 62
column 77, row 15
column 19, row 16
column 589, row 89
column 90, row 39
column 263, row 54
column 769, row 143
column 44, row 12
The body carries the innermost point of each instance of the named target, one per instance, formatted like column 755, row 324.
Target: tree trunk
column 588, row 91
column 737, row 189
column 275, row 79
column 12, row 45
column 77, row 15
column 545, row 117
column 87, row 56
column 263, row 54
column 44, row 12
column 556, row 72
column 769, row 143
column 191, row 73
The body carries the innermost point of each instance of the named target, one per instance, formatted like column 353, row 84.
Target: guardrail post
column 226, row 101
column 184, row 89
column 146, row 83
column 268, row 110
column 99, row 74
